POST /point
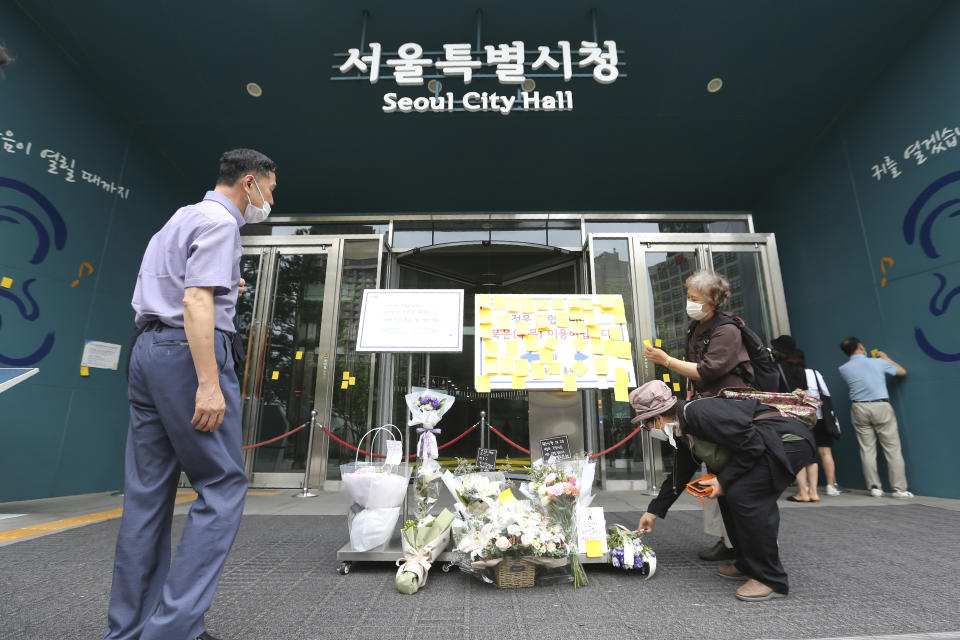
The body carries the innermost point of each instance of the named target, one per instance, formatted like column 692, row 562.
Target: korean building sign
column 508, row 63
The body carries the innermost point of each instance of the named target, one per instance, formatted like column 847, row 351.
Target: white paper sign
column 394, row 452
column 592, row 525
column 420, row 320
column 100, row 355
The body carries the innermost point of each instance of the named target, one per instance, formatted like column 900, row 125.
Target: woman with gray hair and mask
column 754, row 451
column 715, row 359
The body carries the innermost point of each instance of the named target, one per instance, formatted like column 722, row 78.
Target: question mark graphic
column 80, row 272
column 883, row 270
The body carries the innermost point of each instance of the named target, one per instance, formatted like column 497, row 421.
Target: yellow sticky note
column 578, row 328
column 503, row 323
column 576, row 313
column 624, row 350
column 563, row 320
column 522, row 368
column 500, row 303
column 485, row 301
column 546, row 355
column 523, row 328
column 610, row 348
column 620, row 317
column 600, row 366
column 483, row 384
column 646, row 342
column 353, row 381
column 507, row 496
column 532, row 342
column 84, row 371
column 491, row 348
column 874, row 352
column 666, row 377
column 569, row 382
column 622, row 379
column 6, row 283
column 543, row 322
column 615, row 333
column 676, row 386
column 586, row 304
column 519, row 382
column 620, row 393
column 486, row 331
column 580, row 344
column 555, row 367
column 543, row 305
column 526, row 305
column 506, row 366
column 580, row 369
column 608, row 302
column 539, row 371
column 559, row 304
column 550, row 343
column 596, row 346
column 513, row 305
column 491, row 366
column 485, row 316
column 275, row 375
column 594, row 549
column 589, row 317
column 346, row 375
column 510, row 348
column 595, row 332
column 658, row 343
column 344, row 385
column 299, row 355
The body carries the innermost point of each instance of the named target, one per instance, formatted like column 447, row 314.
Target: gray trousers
column 156, row 596
column 875, row 421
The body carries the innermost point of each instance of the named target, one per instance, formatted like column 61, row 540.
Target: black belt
column 236, row 345
column 868, row 401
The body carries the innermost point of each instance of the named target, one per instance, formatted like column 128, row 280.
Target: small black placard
column 557, row 446
column 487, row 459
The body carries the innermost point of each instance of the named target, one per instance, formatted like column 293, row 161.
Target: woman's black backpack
column 766, row 376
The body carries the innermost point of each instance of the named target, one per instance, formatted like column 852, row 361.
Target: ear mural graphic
column 51, row 233
column 914, row 230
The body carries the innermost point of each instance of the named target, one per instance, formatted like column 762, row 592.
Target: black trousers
column 752, row 517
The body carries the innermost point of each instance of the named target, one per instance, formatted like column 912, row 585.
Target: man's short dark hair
column 850, row 345
column 239, row 162
column 5, row 58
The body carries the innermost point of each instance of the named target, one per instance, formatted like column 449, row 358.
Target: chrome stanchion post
column 484, row 438
column 305, row 492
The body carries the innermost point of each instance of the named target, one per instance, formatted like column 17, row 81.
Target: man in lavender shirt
column 185, row 410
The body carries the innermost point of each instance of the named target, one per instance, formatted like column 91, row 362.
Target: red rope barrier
column 280, row 437
column 444, row 446
column 377, row 455
column 606, row 451
column 509, row 441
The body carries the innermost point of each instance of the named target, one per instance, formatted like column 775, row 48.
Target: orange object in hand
column 696, row 489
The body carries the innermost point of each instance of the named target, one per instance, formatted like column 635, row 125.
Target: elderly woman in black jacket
column 761, row 452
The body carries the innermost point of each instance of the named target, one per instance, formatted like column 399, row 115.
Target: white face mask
column 695, row 310
column 666, row 434
column 254, row 214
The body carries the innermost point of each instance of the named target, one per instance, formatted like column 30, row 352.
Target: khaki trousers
column 875, row 421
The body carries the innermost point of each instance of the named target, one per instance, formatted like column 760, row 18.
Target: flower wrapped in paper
column 562, row 489
column 426, row 409
column 628, row 552
column 423, row 541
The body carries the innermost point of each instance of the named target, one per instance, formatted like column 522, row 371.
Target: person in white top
column 816, row 385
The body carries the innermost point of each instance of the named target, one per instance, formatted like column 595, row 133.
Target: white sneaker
column 832, row 490
column 876, row 492
column 901, row 494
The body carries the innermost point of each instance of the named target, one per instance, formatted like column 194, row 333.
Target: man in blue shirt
column 872, row 415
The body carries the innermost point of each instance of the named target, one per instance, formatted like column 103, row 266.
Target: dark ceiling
column 653, row 140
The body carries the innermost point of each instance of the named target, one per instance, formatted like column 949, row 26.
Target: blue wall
column 836, row 224
column 61, row 433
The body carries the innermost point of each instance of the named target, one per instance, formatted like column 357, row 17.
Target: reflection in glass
column 287, row 382
column 748, row 295
column 611, row 265
column 249, row 271
column 352, row 409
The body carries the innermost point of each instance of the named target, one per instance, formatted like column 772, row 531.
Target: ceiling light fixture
column 254, row 89
column 528, row 84
column 715, row 85
column 434, row 86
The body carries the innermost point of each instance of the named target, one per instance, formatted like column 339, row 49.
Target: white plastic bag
column 371, row 528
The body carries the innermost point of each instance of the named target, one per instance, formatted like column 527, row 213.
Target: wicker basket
column 514, row 573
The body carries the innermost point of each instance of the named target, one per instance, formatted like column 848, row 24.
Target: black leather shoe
column 717, row 552
column 206, row 636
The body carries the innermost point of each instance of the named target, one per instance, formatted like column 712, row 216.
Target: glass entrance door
column 285, row 320
column 650, row 271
